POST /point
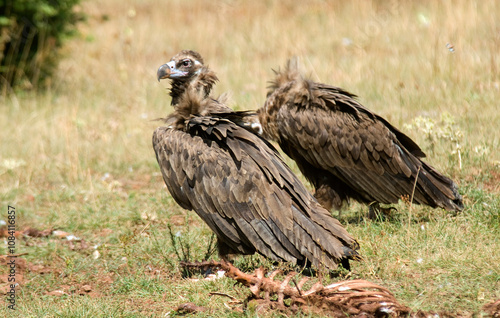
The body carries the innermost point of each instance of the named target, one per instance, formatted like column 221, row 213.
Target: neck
column 202, row 80
column 178, row 90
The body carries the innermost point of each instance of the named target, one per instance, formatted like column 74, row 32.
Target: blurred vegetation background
column 31, row 34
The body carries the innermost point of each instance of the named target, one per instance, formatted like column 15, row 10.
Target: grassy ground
column 78, row 158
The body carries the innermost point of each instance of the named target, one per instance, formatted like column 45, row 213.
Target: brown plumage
column 345, row 150
column 237, row 183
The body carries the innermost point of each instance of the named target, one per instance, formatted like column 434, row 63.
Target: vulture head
column 185, row 68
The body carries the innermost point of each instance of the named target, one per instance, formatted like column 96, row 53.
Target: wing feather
column 367, row 152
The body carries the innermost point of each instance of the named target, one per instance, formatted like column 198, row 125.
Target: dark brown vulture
column 345, row 150
column 236, row 182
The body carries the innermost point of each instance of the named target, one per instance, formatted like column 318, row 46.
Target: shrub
column 31, row 33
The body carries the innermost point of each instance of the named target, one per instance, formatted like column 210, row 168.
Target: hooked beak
column 168, row 70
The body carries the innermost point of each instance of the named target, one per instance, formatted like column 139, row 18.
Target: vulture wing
column 245, row 193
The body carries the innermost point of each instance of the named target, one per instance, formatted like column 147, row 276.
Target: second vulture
column 345, row 150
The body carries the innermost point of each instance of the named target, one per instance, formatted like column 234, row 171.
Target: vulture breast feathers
column 237, row 183
column 345, row 150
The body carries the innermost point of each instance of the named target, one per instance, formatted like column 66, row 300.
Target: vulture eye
column 186, row 63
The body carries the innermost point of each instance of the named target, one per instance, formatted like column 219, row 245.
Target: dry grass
column 78, row 157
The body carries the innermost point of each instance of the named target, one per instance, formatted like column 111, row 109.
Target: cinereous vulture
column 347, row 151
column 236, row 181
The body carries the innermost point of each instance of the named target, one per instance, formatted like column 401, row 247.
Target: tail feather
column 438, row 190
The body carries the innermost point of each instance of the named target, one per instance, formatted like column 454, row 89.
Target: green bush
column 31, row 33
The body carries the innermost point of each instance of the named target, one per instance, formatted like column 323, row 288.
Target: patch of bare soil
column 15, row 271
column 489, row 178
column 492, row 183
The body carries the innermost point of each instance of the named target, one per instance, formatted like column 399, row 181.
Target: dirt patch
column 12, row 273
column 492, row 182
column 24, row 272
column 76, row 289
column 487, row 179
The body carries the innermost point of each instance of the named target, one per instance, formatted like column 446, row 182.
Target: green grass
column 78, row 157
